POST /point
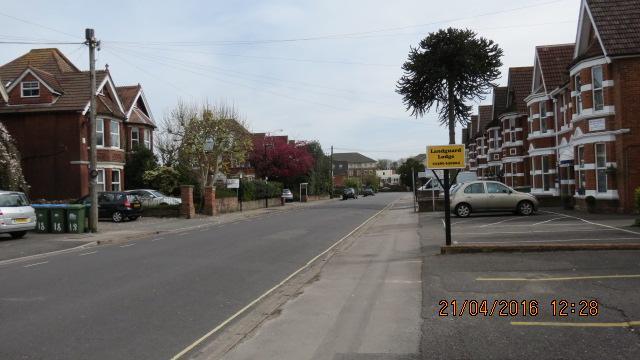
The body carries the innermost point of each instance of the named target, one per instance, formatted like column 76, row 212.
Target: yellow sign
column 446, row 157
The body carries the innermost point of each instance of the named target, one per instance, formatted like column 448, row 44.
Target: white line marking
column 546, row 241
column 547, row 221
column 444, row 224
column 500, row 222
column 224, row 323
column 594, row 223
column 124, row 246
column 527, row 232
column 156, row 239
column 89, row 253
column 36, row 264
column 566, row 278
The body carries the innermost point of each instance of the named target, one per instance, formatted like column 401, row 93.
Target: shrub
column 163, row 178
column 255, row 190
column 223, row 192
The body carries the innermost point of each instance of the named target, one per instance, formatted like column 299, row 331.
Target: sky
column 314, row 70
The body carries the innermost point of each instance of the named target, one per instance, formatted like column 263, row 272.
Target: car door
column 105, row 205
column 475, row 195
column 499, row 197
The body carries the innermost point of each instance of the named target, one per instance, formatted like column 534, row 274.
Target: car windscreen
column 157, row 193
column 13, row 200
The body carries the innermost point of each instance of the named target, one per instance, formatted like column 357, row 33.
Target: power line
column 37, row 24
column 39, row 43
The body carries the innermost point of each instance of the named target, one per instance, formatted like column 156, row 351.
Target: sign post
column 446, row 157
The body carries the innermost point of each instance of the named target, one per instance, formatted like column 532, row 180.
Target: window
column 115, row 134
column 100, row 131
column 115, row 180
column 100, row 180
column 598, row 97
column 578, row 84
column 30, row 88
column 580, row 174
column 533, row 173
column 496, row 141
column 147, row 138
column 601, row 168
column 564, row 113
column 496, row 188
column 512, row 124
column 496, row 156
column 546, row 175
column 513, row 151
column 543, row 117
column 135, row 137
column 477, row 188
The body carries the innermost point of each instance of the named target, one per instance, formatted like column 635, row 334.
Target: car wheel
column 525, row 208
column 117, row 217
column 18, row 234
column 463, row 210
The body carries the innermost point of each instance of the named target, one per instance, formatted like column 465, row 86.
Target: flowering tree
column 280, row 160
column 11, row 177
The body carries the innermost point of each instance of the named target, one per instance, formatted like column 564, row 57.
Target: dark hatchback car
column 368, row 192
column 116, row 205
column 349, row 193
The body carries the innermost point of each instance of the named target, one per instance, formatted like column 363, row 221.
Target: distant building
column 388, row 177
column 346, row 165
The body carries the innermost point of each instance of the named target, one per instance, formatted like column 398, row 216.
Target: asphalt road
column 149, row 299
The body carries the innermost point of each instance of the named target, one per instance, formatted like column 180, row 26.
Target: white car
column 287, row 195
column 150, row 197
column 16, row 214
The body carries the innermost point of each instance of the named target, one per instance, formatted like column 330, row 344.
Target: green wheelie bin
column 58, row 218
column 75, row 218
column 43, row 218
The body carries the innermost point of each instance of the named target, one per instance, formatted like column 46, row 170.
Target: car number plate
column 136, row 205
column 21, row 220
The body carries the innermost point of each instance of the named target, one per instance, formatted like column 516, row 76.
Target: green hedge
column 255, row 190
column 223, row 192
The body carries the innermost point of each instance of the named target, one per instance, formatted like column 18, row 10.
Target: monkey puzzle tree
column 448, row 69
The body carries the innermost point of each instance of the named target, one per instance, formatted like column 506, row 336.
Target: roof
column 485, row 115
column 3, row 92
column 473, row 126
column 128, row 94
column 499, row 101
column 50, row 60
column 618, row 24
column 352, row 157
column 465, row 136
column 554, row 61
column 519, row 85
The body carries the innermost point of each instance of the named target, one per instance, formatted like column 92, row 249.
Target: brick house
column 3, row 92
column 494, row 136
column 346, row 165
column 472, row 151
column 47, row 113
column 485, row 115
column 140, row 125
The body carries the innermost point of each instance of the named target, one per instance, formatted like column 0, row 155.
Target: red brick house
column 3, row 92
column 140, row 125
column 485, row 115
column 47, row 114
column 493, row 133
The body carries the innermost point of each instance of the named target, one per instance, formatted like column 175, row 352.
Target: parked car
column 349, row 193
column 150, row 197
column 16, row 214
column 116, row 205
column 485, row 196
column 368, row 192
column 287, row 195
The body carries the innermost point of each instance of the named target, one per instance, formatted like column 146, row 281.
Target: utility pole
column 331, row 194
column 93, row 142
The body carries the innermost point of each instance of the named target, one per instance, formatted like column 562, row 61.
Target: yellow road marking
column 625, row 324
column 563, row 278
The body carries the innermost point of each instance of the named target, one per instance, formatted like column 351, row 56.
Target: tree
column 384, row 164
column 280, row 160
column 405, row 171
column 448, row 69
column 163, row 178
column 11, row 177
column 319, row 177
column 138, row 162
column 208, row 139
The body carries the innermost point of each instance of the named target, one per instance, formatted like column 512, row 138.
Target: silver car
column 150, row 197
column 485, row 196
column 16, row 214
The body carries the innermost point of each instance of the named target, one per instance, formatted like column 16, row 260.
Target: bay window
column 598, row 96
column 580, row 172
column 135, row 137
column 100, row 132
column 100, row 180
column 115, row 180
column 147, row 138
column 115, row 133
column 601, row 167
column 578, row 85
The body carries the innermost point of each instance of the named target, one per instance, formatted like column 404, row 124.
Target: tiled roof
column 554, row 61
column 352, row 157
column 48, row 78
column 618, row 23
column 485, row 115
column 3, row 92
column 127, row 95
column 519, row 88
column 499, row 100
column 465, row 136
column 473, row 126
column 139, row 117
column 49, row 60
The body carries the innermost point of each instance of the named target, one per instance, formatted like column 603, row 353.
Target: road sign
column 446, row 157
column 233, row 183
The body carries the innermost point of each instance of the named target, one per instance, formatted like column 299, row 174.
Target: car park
column 287, row 195
column 16, row 214
column 349, row 193
column 489, row 196
column 150, row 197
column 116, row 205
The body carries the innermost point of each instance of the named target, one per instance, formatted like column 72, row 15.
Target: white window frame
column 36, row 88
column 147, row 138
column 496, row 138
column 580, row 172
column 543, row 116
column 601, row 167
column 597, row 89
column 578, row 85
column 114, row 135
column 115, row 185
column 100, row 183
column 513, row 151
column 135, row 141
column 533, row 172
column 100, row 132
column 546, row 185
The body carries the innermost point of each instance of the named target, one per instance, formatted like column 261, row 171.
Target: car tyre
column 525, row 208
column 117, row 216
column 133, row 218
column 463, row 210
column 18, row 234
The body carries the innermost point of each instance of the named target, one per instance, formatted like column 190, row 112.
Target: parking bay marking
column 545, row 241
column 500, row 222
column 124, row 246
column 594, row 223
column 89, row 253
column 36, row 264
column 528, row 232
column 568, row 278
column 625, row 324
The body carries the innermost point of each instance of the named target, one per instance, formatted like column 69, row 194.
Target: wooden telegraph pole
column 93, row 157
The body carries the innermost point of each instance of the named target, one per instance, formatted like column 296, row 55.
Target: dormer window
column 30, row 88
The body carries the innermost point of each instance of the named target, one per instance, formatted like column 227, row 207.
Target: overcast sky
column 332, row 80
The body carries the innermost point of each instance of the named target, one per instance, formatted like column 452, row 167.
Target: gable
column 538, row 79
column 3, row 92
column 616, row 24
column 46, row 95
column 588, row 42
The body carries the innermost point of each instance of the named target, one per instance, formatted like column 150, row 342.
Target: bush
column 138, row 163
column 164, row 178
column 353, row 183
column 223, row 192
column 255, row 190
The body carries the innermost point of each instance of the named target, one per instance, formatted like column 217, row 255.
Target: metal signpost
column 446, row 157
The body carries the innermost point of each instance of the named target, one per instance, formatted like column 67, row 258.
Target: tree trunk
column 452, row 115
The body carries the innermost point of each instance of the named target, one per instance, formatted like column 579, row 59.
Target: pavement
column 604, row 285
column 153, row 298
column 37, row 245
column 363, row 304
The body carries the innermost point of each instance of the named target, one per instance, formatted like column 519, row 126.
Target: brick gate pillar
column 209, row 200
column 187, row 208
